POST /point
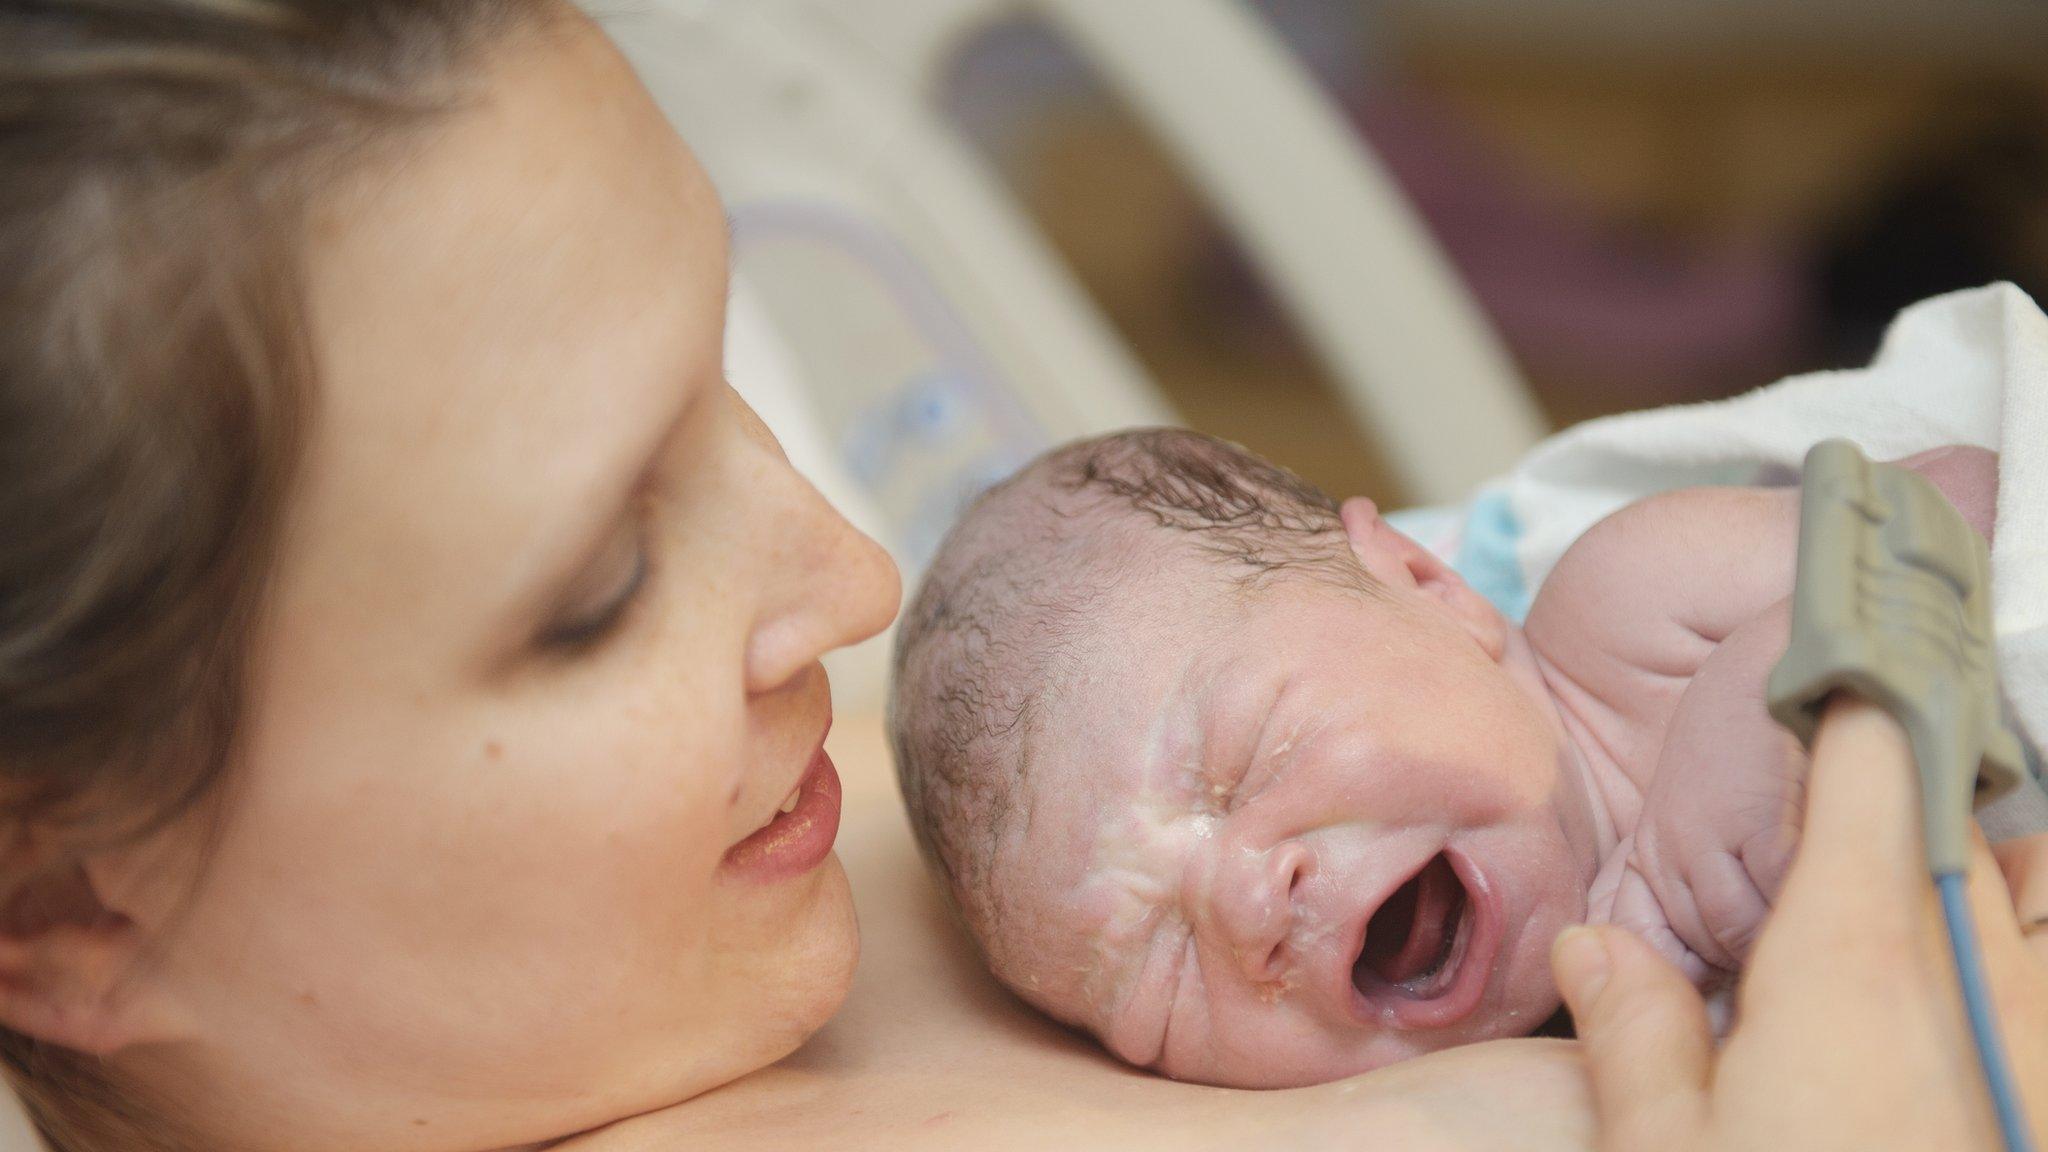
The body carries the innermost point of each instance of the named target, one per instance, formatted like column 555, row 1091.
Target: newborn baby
column 1256, row 790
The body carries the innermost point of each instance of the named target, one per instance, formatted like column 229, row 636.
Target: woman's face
column 544, row 650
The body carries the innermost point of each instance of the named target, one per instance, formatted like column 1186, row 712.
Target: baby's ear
column 1405, row 566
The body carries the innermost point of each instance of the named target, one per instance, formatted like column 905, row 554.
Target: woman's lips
column 1435, row 974
column 798, row 838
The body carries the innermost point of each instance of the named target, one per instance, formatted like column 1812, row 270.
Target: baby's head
column 1246, row 784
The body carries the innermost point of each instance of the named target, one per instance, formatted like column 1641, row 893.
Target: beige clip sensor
column 1893, row 603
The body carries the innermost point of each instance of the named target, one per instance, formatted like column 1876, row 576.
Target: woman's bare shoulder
column 931, row 1053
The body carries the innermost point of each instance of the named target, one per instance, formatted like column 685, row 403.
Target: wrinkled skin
column 1233, row 786
column 1222, row 796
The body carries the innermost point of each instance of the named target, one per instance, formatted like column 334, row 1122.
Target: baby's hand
column 1721, row 820
column 1623, row 896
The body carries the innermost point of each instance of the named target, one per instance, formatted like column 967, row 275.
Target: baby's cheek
column 1126, row 896
column 1115, row 912
column 1511, row 762
column 1323, row 907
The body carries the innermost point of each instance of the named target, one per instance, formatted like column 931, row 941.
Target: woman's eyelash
column 573, row 637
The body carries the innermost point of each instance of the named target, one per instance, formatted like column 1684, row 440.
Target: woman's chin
column 814, row 966
column 833, row 949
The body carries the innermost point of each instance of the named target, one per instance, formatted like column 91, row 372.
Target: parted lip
column 1344, row 959
column 1470, row 955
column 804, row 770
column 798, row 834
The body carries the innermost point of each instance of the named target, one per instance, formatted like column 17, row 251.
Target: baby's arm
column 1638, row 605
column 1720, row 818
column 1654, row 588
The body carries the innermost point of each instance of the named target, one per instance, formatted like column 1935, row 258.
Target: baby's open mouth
column 1414, row 944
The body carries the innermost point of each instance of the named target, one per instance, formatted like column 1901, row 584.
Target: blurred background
column 1656, row 201
column 958, row 242
column 1388, row 243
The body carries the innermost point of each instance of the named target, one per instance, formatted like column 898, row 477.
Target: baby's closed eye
column 1218, row 788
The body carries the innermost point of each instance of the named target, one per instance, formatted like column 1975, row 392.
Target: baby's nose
column 1251, row 905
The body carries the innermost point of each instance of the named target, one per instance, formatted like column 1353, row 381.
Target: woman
column 411, row 645
column 410, row 715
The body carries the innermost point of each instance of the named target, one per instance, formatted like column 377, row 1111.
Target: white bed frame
column 908, row 331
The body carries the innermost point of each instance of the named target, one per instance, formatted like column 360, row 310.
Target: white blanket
column 1966, row 368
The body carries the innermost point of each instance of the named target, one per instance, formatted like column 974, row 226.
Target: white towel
column 1966, row 368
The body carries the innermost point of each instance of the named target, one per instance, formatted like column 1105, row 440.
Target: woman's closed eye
column 602, row 597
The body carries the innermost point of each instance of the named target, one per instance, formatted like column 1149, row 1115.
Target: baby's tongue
column 1407, row 937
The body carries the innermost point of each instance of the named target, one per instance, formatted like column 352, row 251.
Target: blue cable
column 1962, row 939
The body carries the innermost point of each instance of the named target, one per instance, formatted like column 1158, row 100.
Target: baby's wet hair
column 1256, row 518
column 1017, row 587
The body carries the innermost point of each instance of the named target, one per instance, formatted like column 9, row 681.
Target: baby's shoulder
column 1695, row 535
column 1645, row 595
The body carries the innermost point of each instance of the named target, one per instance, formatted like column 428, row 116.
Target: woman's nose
column 1251, row 904
column 822, row 584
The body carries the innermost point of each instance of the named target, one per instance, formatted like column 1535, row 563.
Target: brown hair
column 157, row 158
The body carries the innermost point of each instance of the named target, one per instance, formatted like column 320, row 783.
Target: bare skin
column 1851, row 1033
column 542, row 660
column 1669, row 699
column 492, row 893
column 1278, row 839
column 930, row 1053
column 542, row 668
